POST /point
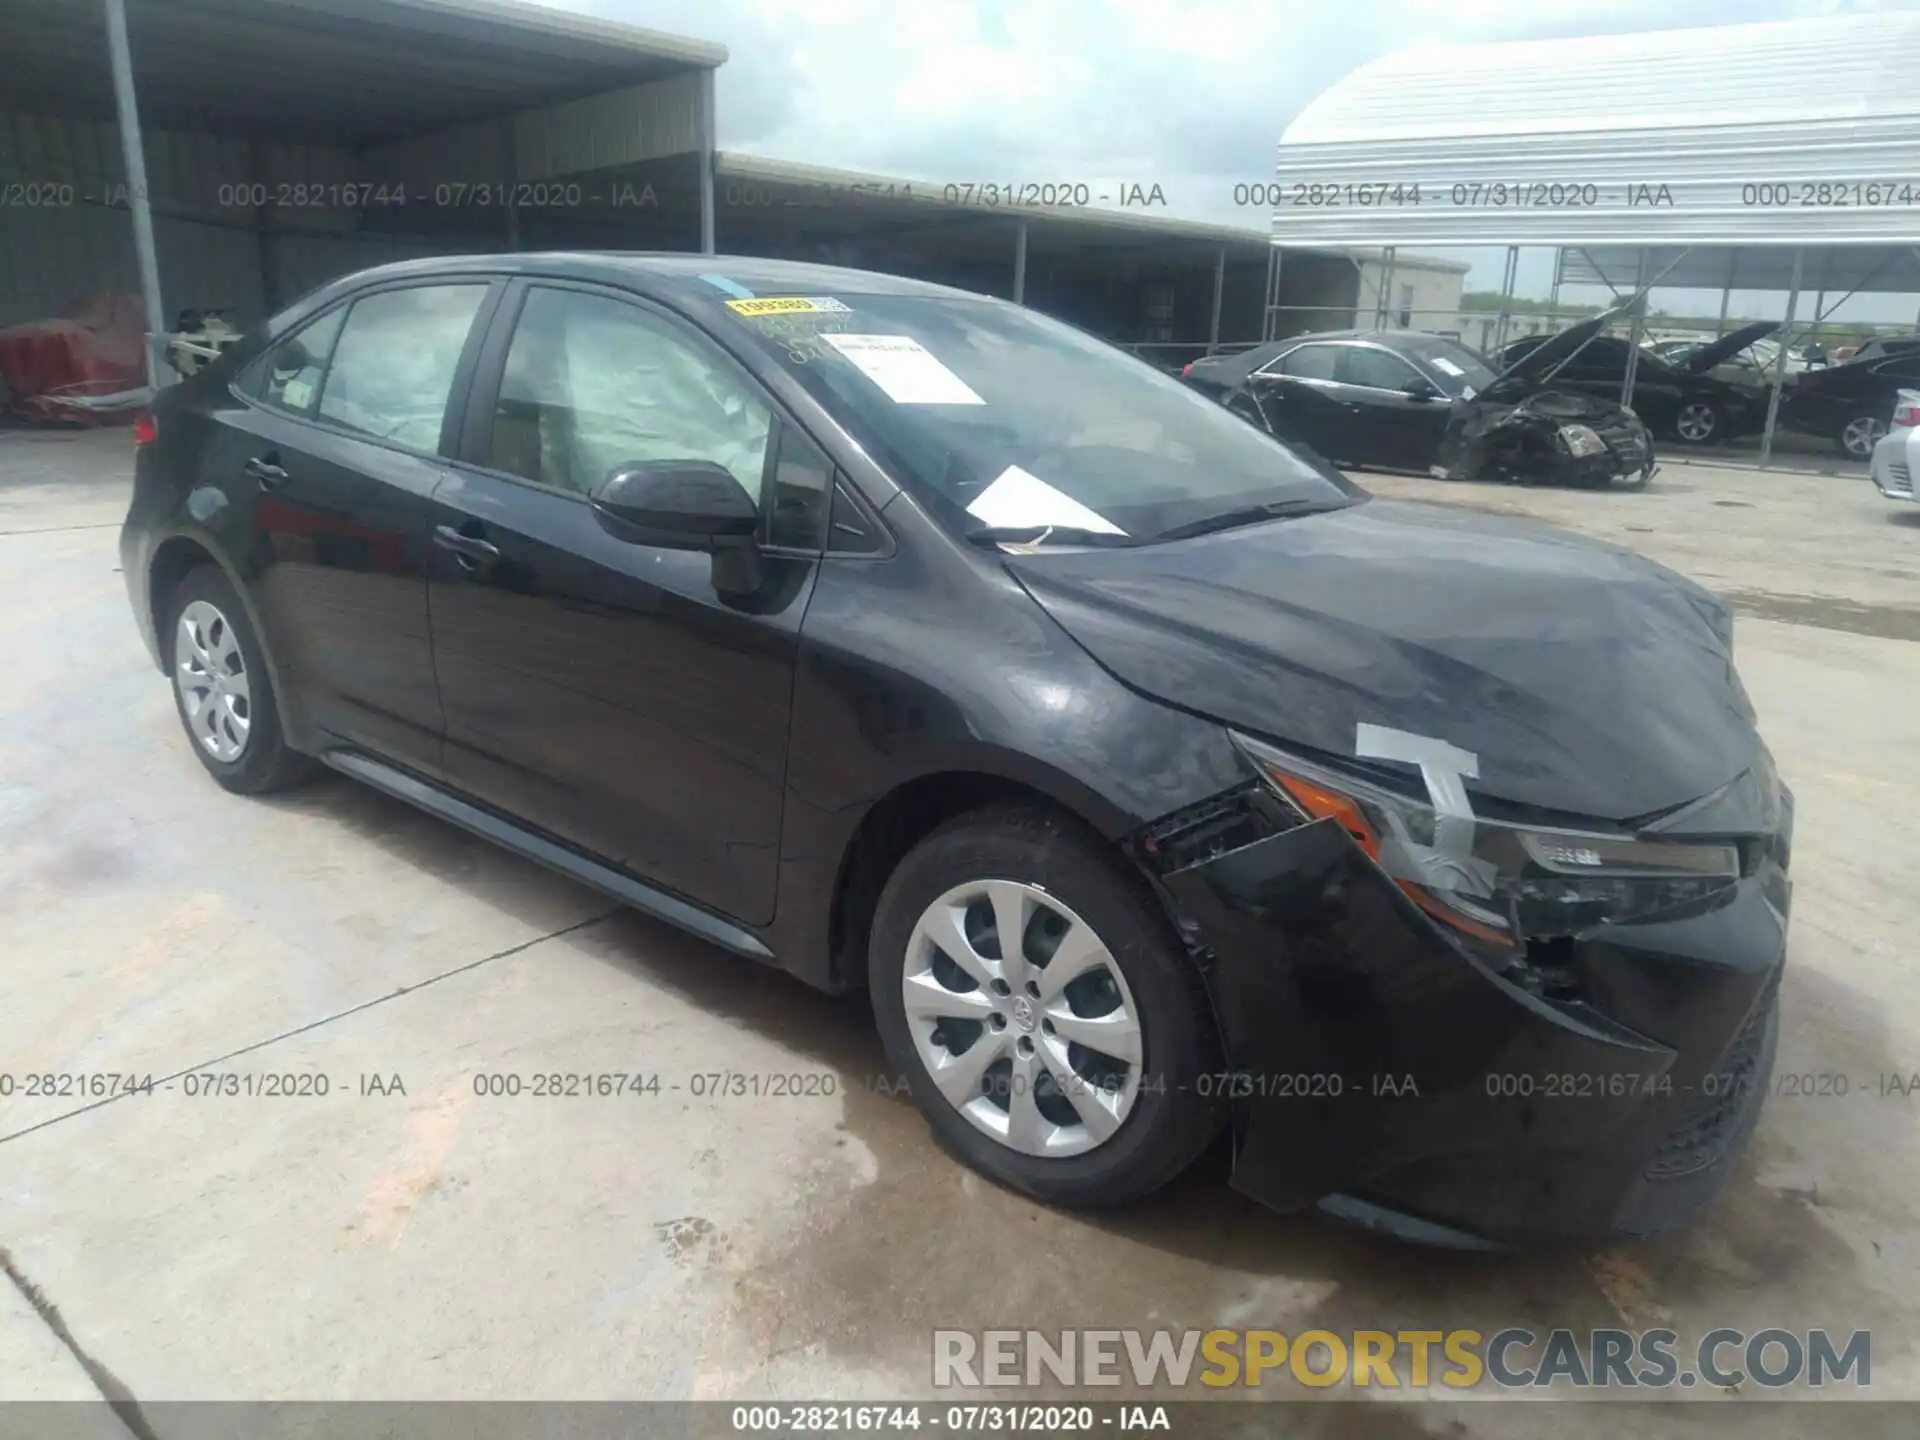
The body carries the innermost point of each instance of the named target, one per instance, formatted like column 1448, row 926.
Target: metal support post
column 133, row 144
column 1780, row 361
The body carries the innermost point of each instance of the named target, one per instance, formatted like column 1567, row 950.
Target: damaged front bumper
column 1386, row 1071
column 1528, row 443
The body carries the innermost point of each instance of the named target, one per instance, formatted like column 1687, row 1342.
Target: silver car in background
column 1897, row 453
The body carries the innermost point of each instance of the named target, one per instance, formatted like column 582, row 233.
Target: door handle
column 472, row 551
column 263, row 470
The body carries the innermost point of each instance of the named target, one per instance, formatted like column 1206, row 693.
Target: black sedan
column 1149, row 777
column 1681, row 401
column 1359, row 397
column 1851, row 404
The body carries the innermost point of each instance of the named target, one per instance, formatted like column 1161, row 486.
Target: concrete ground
column 411, row 1239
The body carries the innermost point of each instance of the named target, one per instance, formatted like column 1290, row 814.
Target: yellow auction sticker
column 788, row 305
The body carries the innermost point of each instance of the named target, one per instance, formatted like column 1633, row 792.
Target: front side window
column 592, row 383
column 1375, row 369
column 392, row 370
column 290, row 377
column 1002, row 419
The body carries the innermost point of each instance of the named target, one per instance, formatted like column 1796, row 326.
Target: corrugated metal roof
column 1724, row 134
column 1836, row 269
column 347, row 72
column 860, row 190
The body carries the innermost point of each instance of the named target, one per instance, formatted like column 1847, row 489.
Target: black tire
column 1170, row 1123
column 266, row 762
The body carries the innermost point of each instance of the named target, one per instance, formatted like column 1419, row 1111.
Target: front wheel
column 1698, row 423
column 1051, row 1028
column 1860, row 434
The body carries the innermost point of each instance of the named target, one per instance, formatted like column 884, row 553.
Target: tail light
column 1186, row 370
column 145, row 432
column 1906, row 416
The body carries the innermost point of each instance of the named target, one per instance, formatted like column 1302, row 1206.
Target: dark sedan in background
column 1851, row 404
column 1409, row 400
column 1359, row 397
column 1679, row 401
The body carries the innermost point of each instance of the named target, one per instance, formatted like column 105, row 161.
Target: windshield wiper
column 1046, row 535
column 1247, row 515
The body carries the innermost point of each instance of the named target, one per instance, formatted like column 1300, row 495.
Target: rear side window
column 290, row 377
column 392, row 368
column 1310, row 362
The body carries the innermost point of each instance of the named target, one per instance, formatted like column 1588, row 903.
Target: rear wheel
column 1051, row 1028
column 222, row 690
column 1860, row 434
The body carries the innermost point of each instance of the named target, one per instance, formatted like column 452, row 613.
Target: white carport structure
column 1698, row 157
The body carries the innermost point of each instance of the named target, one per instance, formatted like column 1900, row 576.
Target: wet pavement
column 410, row 1234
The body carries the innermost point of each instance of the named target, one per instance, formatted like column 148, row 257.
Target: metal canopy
column 1725, row 135
column 1853, row 269
column 343, row 72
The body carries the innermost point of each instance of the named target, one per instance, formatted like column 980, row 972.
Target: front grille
column 1624, row 441
column 1708, row 1128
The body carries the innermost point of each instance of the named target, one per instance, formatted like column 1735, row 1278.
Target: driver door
column 598, row 690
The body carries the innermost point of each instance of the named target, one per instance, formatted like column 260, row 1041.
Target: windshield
column 997, row 417
column 1460, row 372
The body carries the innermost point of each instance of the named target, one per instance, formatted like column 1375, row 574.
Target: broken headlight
column 1579, row 440
column 1497, row 882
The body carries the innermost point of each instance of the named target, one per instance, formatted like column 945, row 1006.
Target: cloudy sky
column 1189, row 94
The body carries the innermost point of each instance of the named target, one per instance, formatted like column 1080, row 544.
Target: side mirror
column 1420, row 388
column 675, row 504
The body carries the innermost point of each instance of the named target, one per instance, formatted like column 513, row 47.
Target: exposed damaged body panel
column 1554, row 437
column 1585, row 1085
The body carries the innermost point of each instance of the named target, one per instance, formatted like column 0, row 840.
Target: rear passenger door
column 602, row 691
column 1299, row 396
column 336, row 456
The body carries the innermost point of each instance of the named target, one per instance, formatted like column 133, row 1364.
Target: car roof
column 674, row 274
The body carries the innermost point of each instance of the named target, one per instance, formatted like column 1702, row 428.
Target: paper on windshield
column 1447, row 365
column 1018, row 499
column 904, row 369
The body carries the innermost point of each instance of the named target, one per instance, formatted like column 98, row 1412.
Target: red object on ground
column 93, row 355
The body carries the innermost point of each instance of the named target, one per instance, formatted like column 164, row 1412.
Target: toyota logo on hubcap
column 1023, row 1013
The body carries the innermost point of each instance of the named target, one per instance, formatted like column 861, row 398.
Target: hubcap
column 211, row 675
column 1695, row 422
column 1022, row 1017
column 1861, row 435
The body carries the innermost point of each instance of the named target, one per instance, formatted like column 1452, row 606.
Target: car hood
column 1586, row 679
column 1555, row 349
column 1727, row 346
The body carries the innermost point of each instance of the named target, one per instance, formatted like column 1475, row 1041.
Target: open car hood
column 1727, row 346
column 1556, row 350
column 1585, row 679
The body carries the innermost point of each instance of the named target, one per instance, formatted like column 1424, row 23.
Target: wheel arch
column 172, row 560
column 914, row 808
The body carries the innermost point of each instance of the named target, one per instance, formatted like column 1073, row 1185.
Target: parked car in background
column 1409, row 400
column 1678, row 400
column 1851, row 404
column 920, row 644
column 1882, row 346
column 1896, row 456
column 1358, row 397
